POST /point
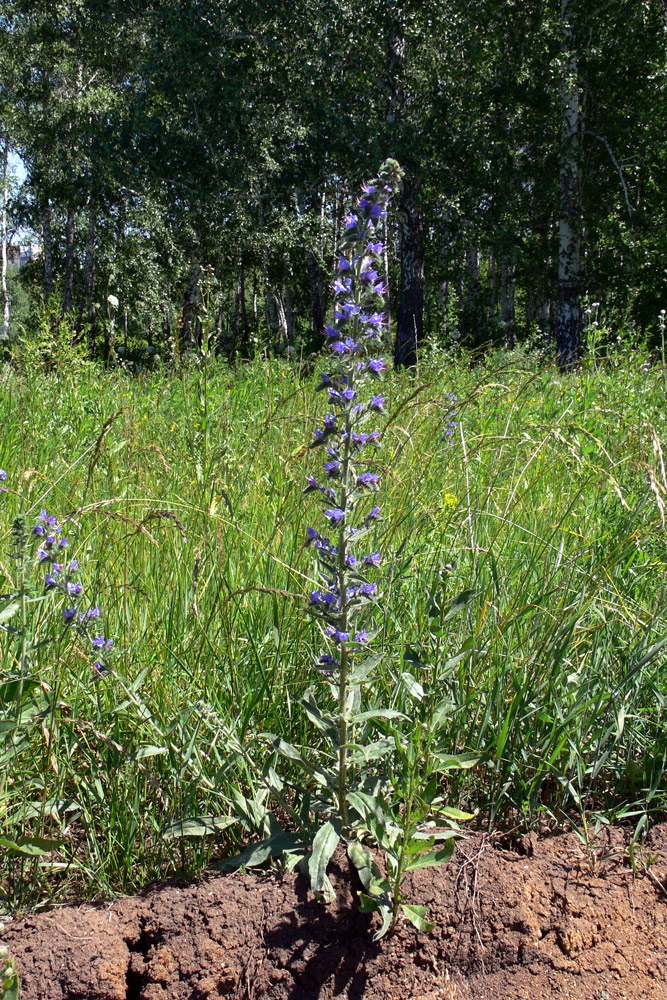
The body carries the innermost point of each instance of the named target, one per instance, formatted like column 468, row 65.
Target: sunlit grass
column 184, row 495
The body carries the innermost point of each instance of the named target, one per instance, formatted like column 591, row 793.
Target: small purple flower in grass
column 361, row 637
column 63, row 543
column 74, row 589
column 330, row 332
column 377, row 403
column 377, row 212
column 343, row 264
column 73, row 566
column 90, row 615
column 39, row 531
column 374, row 514
column 374, row 559
column 335, row 515
column 350, row 562
column 369, row 479
column 43, row 555
column 376, row 248
column 68, row 614
column 100, row 643
column 49, row 581
column 369, row 589
column 351, row 221
column 332, row 469
column 3, row 476
column 337, row 635
column 375, row 365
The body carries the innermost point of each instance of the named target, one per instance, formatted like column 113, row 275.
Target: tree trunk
column 410, row 317
column 316, row 283
column 241, row 332
column 569, row 227
column 472, row 308
column 3, row 241
column 69, row 259
column 88, row 277
column 507, row 300
column 289, row 313
column 47, row 250
column 191, row 301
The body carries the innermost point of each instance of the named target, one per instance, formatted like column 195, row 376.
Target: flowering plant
column 369, row 777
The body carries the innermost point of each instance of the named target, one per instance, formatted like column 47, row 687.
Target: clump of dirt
column 548, row 921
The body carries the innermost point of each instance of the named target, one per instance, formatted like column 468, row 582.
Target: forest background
column 189, row 150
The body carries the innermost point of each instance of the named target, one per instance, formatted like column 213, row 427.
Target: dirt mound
column 546, row 922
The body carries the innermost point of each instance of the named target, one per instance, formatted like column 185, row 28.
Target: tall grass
column 184, row 492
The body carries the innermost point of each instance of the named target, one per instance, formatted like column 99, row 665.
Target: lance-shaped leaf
column 325, row 843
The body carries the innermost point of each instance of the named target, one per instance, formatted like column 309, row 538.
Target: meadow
column 540, row 521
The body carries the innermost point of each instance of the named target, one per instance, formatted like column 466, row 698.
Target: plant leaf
column 432, row 859
column 325, row 842
column 198, row 826
column 417, row 916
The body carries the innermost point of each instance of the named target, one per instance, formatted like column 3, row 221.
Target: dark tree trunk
column 410, row 318
column 507, row 300
column 88, row 278
column 191, row 301
column 316, row 282
column 47, row 243
column 569, row 226
column 472, row 319
column 69, row 259
column 241, row 331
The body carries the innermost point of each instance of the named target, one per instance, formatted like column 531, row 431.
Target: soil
column 545, row 920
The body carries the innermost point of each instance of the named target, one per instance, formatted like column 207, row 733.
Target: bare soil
column 547, row 920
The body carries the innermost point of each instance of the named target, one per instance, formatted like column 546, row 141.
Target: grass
column 183, row 492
